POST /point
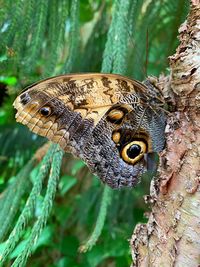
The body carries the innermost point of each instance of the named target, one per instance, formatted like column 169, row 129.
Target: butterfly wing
column 97, row 117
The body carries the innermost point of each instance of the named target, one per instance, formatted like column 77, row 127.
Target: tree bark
column 171, row 236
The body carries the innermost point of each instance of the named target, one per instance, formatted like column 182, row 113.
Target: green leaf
column 9, row 80
column 62, row 213
column 69, row 246
column 86, row 11
column 19, row 248
column 66, row 183
column 77, row 166
column 46, row 237
column 66, row 262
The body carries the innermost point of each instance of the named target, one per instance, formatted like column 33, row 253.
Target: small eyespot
column 24, row 98
column 116, row 137
column 45, row 111
column 134, row 151
column 116, row 115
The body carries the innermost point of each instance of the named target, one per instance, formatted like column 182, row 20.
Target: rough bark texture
column 172, row 235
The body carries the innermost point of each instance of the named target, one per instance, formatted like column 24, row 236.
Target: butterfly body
column 109, row 121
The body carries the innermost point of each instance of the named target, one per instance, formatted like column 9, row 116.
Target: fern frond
column 95, row 42
column 20, row 44
column 63, row 15
column 73, row 37
column 121, row 37
column 105, row 202
column 15, row 191
column 46, row 209
column 15, row 18
column 28, row 210
column 53, row 40
column 115, row 52
column 108, row 55
column 37, row 39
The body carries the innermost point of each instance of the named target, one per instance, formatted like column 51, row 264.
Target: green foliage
column 14, row 192
column 106, row 199
column 45, row 211
column 17, row 146
column 73, row 36
column 115, row 53
column 47, row 37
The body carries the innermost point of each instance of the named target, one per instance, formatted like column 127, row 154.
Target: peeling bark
column 172, row 235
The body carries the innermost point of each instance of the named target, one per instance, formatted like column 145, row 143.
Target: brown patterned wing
column 100, row 118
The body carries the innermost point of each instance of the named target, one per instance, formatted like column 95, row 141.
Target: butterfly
column 113, row 123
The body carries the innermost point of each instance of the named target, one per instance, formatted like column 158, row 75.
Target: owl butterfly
column 111, row 122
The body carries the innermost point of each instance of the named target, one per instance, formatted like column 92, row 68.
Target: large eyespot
column 134, row 151
column 45, row 111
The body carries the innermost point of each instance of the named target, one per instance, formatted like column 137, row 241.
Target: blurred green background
column 43, row 38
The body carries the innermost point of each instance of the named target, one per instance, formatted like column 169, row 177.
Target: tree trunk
column 171, row 236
